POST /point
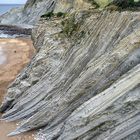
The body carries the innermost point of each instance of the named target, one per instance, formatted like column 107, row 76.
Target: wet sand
column 14, row 56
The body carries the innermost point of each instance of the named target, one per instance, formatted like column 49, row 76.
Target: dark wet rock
column 14, row 30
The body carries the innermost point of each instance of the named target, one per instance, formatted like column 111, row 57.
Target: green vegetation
column 102, row 3
column 120, row 3
column 60, row 14
column 129, row 3
column 69, row 26
column 48, row 15
column 51, row 14
column 94, row 3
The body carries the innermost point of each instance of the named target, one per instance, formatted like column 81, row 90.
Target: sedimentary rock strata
column 84, row 81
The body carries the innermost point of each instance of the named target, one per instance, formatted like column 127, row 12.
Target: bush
column 69, row 26
column 48, row 15
column 60, row 14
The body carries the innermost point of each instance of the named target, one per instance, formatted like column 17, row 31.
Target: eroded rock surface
column 84, row 82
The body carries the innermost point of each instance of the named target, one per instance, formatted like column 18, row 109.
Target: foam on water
column 3, row 35
column 6, row 36
column 2, row 56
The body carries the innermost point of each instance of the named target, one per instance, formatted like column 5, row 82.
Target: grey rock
column 84, row 85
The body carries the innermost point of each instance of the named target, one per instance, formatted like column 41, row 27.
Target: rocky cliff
column 29, row 14
column 84, row 81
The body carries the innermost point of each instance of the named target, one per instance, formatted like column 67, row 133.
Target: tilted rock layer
column 84, row 81
column 29, row 14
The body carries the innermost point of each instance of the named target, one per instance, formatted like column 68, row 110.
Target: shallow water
column 2, row 56
column 14, row 55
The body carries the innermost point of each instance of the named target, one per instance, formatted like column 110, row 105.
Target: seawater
column 3, row 9
column 6, row 7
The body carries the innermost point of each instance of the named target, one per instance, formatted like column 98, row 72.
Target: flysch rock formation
column 84, row 81
column 28, row 15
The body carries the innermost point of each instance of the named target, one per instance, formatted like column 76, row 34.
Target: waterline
column 2, row 56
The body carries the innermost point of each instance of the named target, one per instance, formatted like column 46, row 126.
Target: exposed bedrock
column 28, row 15
column 84, row 81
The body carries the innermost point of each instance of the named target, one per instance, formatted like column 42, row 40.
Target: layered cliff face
column 84, row 81
column 33, row 9
column 29, row 14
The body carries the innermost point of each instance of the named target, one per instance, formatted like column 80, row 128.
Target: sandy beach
column 14, row 56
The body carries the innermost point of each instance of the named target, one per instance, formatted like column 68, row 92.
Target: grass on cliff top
column 124, row 4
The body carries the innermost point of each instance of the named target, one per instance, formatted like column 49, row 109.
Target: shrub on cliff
column 48, row 15
column 51, row 14
column 120, row 3
column 60, row 14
